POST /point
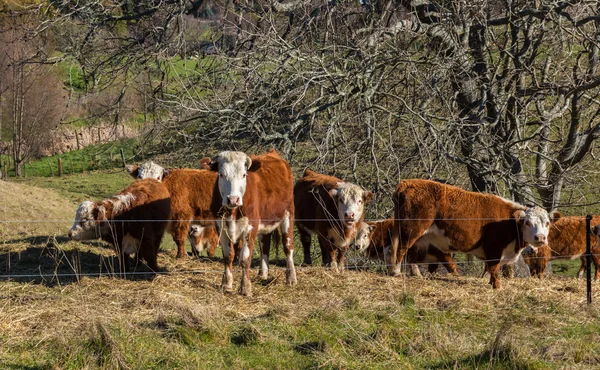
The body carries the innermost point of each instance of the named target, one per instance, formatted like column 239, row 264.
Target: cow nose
column 71, row 234
column 540, row 238
column 350, row 215
column 233, row 200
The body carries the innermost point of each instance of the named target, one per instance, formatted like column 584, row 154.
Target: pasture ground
column 65, row 308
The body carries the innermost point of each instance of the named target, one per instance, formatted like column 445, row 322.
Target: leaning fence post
column 588, row 257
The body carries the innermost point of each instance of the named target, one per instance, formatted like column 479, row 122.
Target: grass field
column 64, row 307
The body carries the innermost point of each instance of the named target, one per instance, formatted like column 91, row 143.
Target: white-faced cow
column 487, row 226
column 253, row 196
column 332, row 209
column 134, row 221
column 566, row 240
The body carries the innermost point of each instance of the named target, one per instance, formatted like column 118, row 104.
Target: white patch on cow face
column 535, row 226
column 150, row 170
column 85, row 226
column 350, row 202
column 363, row 238
column 233, row 170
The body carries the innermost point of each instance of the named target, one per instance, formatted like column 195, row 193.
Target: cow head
column 350, row 201
column 363, row 237
column 536, row 259
column 147, row 170
column 535, row 225
column 233, row 168
column 596, row 231
column 86, row 226
column 194, row 235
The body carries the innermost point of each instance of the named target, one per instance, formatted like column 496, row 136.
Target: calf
column 253, row 195
column 374, row 239
column 485, row 225
column 191, row 194
column 566, row 241
column 134, row 221
column 203, row 237
column 332, row 209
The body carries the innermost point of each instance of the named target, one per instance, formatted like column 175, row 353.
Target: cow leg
column 287, row 236
column 445, row 258
column 328, row 253
column 341, row 259
column 246, row 260
column 180, row 229
column 596, row 262
column 404, row 234
column 414, row 270
column 228, row 256
column 149, row 253
column 582, row 268
column 305, row 239
column 212, row 248
column 265, row 246
column 277, row 241
column 493, row 268
column 508, row 270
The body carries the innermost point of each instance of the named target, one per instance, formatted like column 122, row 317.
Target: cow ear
column 333, row 193
column 519, row 215
column 166, row 172
column 133, row 170
column 252, row 166
column 99, row 213
column 205, row 163
column 367, row 195
column 595, row 229
column 555, row 216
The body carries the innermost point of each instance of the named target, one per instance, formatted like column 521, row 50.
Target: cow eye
column 221, row 175
column 245, row 175
column 528, row 223
column 547, row 223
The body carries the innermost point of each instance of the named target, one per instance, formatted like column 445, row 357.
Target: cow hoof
column 291, row 278
column 307, row 262
column 181, row 255
column 226, row 288
column 264, row 275
column 246, row 291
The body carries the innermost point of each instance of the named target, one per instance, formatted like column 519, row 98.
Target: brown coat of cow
column 380, row 239
column 267, row 205
column 566, row 241
column 134, row 221
column 191, row 194
column 487, row 226
column 317, row 213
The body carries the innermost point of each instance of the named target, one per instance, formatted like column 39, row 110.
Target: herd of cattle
column 235, row 199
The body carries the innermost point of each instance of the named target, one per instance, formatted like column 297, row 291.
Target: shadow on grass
column 46, row 262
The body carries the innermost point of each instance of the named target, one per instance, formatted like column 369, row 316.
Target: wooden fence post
column 60, row 167
column 123, row 158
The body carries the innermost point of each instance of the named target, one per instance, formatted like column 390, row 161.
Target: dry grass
column 350, row 320
column 80, row 316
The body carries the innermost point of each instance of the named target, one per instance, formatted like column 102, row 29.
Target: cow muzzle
column 540, row 239
column 234, row 201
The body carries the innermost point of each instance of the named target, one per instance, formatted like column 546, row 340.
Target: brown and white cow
column 485, row 225
column 332, row 209
column 374, row 240
column 253, row 196
column 566, row 241
column 134, row 221
column 204, row 238
column 191, row 193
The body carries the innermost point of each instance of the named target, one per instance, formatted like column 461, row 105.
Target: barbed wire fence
column 47, row 257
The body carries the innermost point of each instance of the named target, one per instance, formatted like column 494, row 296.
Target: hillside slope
column 27, row 211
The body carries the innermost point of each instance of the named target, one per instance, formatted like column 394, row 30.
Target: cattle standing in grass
column 332, row 209
column 134, row 221
column 191, row 194
column 374, row 239
column 254, row 195
column 487, row 226
column 203, row 238
column 566, row 241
